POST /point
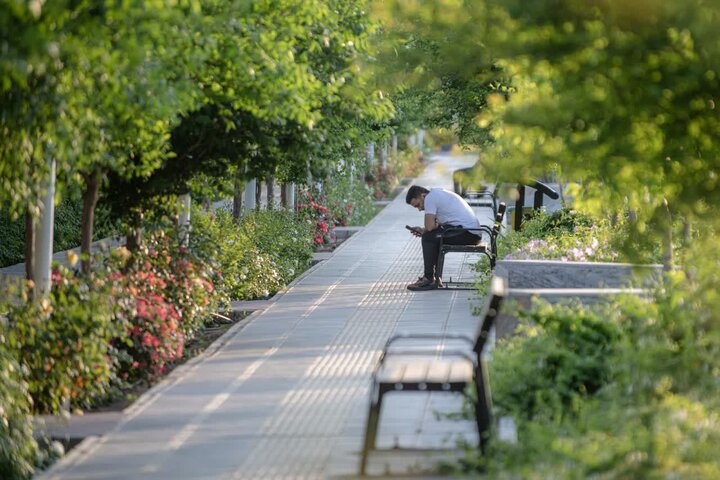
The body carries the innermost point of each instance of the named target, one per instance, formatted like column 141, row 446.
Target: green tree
column 436, row 65
column 617, row 97
column 282, row 93
column 91, row 86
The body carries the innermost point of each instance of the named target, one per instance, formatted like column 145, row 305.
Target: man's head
column 416, row 197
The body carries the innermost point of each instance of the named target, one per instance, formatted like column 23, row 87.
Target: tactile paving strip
column 297, row 441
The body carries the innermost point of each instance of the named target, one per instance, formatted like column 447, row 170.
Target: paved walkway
column 285, row 396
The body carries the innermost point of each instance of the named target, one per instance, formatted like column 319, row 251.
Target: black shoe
column 422, row 284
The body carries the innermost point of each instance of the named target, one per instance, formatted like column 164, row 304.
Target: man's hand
column 417, row 231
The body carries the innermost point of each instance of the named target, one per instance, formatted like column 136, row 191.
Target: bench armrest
column 427, row 336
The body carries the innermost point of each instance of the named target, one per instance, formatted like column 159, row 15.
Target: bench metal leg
column 371, row 428
column 440, row 264
column 483, row 405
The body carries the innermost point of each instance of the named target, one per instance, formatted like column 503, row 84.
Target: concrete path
column 285, row 396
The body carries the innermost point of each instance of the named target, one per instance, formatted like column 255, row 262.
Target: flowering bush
column 407, row 163
column 168, row 293
column 18, row 448
column 565, row 235
column 349, row 200
column 64, row 342
column 311, row 209
column 189, row 281
column 382, row 180
column 579, row 248
column 340, row 212
column 153, row 339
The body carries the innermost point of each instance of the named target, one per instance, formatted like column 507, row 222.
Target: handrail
column 541, row 189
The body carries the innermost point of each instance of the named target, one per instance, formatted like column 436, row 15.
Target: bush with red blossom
column 170, row 294
column 311, row 209
column 382, row 180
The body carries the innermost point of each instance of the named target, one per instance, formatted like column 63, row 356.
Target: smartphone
column 412, row 229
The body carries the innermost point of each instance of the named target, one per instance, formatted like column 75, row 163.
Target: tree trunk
column 133, row 238
column 258, row 194
column 29, row 245
column 270, row 188
column 283, row 195
column 90, row 198
column 237, row 199
column 667, row 241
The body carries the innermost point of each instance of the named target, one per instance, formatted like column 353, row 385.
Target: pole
column 250, row 188
column 184, row 202
column 44, row 237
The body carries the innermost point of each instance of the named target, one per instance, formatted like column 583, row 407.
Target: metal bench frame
column 489, row 249
column 498, row 291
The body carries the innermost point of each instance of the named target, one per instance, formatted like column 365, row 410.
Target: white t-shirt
column 449, row 208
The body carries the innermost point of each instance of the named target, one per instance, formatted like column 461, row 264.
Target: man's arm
column 430, row 222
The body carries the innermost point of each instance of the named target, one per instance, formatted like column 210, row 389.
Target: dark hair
column 415, row 192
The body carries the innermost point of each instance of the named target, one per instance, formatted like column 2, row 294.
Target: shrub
column 381, row 180
column 652, row 409
column 246, row 272
column 12, row 247
column 350, row 201
column 18, row 449
column 188, row 280
column 312, row 210
column 561, row 353
column 408, row 163
column 563, row 235
column 279, row 235
column 154, row 338
column 68, row 218
column 64, row 342
column 168, row 293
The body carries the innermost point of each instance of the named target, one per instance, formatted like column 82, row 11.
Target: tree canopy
column 616, row 96
column 142, row 98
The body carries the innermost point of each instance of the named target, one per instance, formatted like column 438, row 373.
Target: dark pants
column 431, row 246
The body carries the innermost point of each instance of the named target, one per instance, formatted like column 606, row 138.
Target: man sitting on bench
column 443, row 209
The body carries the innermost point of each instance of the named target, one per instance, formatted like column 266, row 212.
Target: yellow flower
column 72, row 258
column 122, row 252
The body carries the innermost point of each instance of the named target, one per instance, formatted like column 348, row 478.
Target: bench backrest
column 499, row 218
column 495, row 230
column 498, row 292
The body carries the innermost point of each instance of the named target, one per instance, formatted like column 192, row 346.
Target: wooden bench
column 487, row 248
column 433, row 367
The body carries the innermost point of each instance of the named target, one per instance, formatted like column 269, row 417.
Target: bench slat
column 426, row 370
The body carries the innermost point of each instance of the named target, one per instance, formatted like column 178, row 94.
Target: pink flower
column 147, row 339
